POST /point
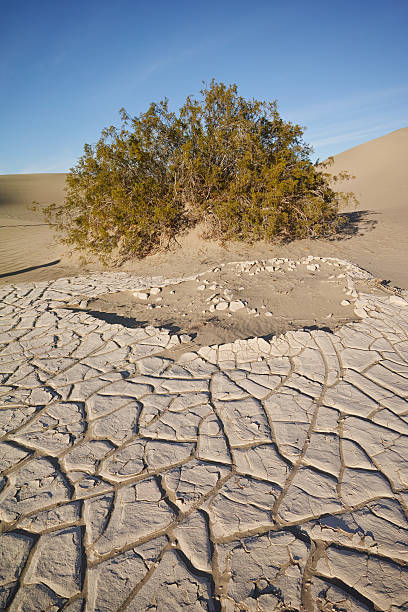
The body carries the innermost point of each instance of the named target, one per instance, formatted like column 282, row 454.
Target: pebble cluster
column 251, row 476
column 219, row 298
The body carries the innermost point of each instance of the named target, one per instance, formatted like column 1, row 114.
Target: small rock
column 141, row 295
column 184, row 338
column 201, row 288
column 155, row 291
column 172, row 292
column 399, row 301
column 174, row 341
column 268, row 601
column 268, row 314
column 212, row 308
column 345, row 303
column 222, row 306
column 237, row 305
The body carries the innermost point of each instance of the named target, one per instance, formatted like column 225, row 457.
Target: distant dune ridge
column 26, row 241
column 17, row 192
column 377, row 235
column 381, row 185
column 381, row 169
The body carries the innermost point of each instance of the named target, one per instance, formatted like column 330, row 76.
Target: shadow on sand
column 130, row 322
column 23, row 270
column 356, row 223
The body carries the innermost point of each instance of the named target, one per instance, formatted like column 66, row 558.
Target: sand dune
column 17, row 192
column 381, row 218
column 381, row 170
column 376, row 237
column 27, row 247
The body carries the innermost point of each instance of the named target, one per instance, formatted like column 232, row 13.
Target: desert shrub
column 231, row 163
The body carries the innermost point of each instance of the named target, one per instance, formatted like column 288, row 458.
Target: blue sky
column 66, row 68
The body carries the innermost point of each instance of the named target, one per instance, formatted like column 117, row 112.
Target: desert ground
column 211, row 428
column 375, row 239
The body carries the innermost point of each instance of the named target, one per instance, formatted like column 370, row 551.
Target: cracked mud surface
column 250, row 476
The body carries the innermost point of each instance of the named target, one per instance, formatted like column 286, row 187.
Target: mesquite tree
column 230, row 163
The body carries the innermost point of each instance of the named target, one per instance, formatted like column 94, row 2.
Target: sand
column 376, row 237
column 380, row 221
column 28, row 250
column 259, row 475
column 157, row 455
column 262, row 298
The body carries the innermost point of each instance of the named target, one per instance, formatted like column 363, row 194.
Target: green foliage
column 233, row 163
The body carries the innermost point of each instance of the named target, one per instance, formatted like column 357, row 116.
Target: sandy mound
column 375, row 237
column 239, row 300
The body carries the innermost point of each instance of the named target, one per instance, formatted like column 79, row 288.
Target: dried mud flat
column 146, row 466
